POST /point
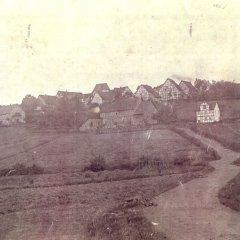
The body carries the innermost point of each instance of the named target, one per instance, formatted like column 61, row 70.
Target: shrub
column 97, row 164
column 122, row 224
column 20, row 169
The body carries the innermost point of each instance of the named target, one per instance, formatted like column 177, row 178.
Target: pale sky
column 78, row 43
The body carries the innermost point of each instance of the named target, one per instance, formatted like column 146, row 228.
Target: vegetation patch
column 229, row 195
column 120, row 223
column 210, row 153
column 226, row 133
column 20, row 169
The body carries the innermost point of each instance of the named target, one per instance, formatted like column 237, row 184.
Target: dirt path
column 192, row 210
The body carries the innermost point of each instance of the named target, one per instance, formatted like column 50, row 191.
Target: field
column 67, row 201
column 227, row 133
column 59, row 152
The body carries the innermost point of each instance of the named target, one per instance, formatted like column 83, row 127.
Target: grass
column 229, row 195
column 122, row 223
column 20, row 169
column 73, row 208
column 68, row 152
column 69, row 200
column 228, row 134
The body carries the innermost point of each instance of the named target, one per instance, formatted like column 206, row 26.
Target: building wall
column 143, row 93
column 115, row 119
column 97, row 99
column 126, row 91
column 170, row 92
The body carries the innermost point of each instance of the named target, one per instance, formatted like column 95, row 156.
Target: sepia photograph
column 120, row 120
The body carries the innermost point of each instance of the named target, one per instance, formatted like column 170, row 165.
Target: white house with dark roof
column 208, row 113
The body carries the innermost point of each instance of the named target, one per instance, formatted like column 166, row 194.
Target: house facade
column 171, row 91
column 127, row 112
column 102, row 97
column 122, row 92
column 208, row 113
column 11, row 115
column 146, row 92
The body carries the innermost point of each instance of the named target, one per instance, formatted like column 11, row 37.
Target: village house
column 86, row 98
column 144, row 113
column 122, row 92
column 188, row 89
column 208, row 113
column 146, row 92
column 11, row 115
column 127, row 112
column 101, row 87
column 118, row 113
column 171, row 91
column 102, row 97
column 47, row 101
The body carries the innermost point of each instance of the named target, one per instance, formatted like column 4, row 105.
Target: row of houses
column 101, row 93
column 118, row 107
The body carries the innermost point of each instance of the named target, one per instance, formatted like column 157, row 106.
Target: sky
column 46, row 46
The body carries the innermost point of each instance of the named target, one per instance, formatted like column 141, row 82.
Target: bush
column 122, row 224
column 97, row 164
column 20, row 169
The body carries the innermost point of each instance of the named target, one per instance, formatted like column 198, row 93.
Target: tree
column 29, row 104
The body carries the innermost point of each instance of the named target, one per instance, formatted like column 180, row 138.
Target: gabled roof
column 211, row 104
column 172, row 82
column 69, row 94
column 48, row 100
column 120, row 105
column 101, row 87
column 120, row 90
column 189, row 85
column 143, row 106
column 86, row 95
column 149, row 89
column 6, row 109
column 106, row 96
column 156, row 89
